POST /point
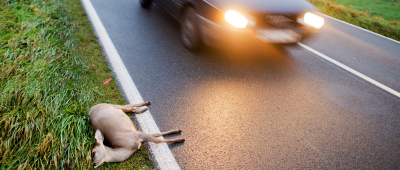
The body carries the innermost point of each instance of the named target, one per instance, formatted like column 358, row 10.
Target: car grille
column 280, row 21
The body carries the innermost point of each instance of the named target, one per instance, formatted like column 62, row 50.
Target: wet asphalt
column 263, row 107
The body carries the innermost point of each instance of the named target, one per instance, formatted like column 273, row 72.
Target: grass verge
column 362, row 19
column 387, row 9
column 52, row 69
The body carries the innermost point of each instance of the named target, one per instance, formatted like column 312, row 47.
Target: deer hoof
column 148, row 103
column 179, row 131
column 183, row 140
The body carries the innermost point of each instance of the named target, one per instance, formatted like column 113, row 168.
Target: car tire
column 190, row 34
column 146, row 3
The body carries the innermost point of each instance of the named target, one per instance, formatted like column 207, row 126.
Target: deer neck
column 118, row 154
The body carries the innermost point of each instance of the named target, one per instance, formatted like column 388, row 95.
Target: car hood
column 265, row 6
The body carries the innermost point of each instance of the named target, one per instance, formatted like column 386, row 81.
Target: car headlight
column 313, row 20
column 236, row 19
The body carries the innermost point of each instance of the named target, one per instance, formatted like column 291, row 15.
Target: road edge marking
column 163, row 157
column 344, row 22
column 358, row 74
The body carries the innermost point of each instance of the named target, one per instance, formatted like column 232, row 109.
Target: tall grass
column 51, row 69
column 360, row 18
column 387, row 9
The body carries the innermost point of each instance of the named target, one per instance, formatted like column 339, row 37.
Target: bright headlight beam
column 313, row 20
column 236, row 19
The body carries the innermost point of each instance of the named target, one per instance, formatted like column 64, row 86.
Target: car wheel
column 146, row 3
column 190, row 30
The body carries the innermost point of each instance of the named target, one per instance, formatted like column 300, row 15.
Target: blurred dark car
column 223, row 21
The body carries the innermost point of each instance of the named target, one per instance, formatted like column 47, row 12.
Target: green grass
column 362, row 19
column 387, row 9
column 51, row 73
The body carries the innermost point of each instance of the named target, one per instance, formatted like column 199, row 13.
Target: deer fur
column 113, row 127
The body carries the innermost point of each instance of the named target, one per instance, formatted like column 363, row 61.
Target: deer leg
column 149, row 138
column 139, row 110
column 165, row 133
column 133, row 107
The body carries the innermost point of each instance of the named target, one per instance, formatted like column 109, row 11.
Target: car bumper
column 216, row 34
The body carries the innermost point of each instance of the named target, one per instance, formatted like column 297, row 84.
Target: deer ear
column 98, row 136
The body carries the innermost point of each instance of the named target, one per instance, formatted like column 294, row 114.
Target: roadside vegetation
column 370, row 17
column 51, row 73
column 387, row 9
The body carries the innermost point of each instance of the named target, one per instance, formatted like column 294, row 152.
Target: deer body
column 113, row 127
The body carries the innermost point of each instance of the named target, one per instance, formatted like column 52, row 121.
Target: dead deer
column 116, row 129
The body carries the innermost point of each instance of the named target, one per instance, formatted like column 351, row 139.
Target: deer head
column 99, row 151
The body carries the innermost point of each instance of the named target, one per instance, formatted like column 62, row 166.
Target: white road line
column 360, row 28
column 163, row 157
column 351, row 70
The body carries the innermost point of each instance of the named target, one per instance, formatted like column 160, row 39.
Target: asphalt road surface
column 267, row 107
